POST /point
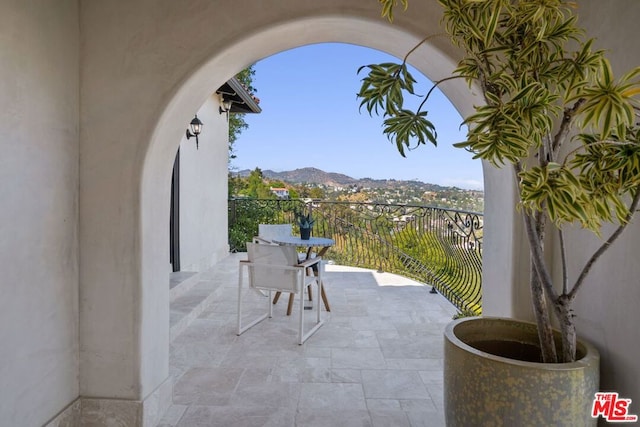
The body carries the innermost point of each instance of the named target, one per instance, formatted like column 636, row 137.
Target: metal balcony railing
column 439, row 247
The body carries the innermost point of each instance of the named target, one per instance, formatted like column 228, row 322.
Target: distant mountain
column 317, row 176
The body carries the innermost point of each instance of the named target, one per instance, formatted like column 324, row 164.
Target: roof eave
column 242, row 100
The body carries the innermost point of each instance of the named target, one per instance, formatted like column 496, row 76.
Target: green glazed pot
column 483, row 389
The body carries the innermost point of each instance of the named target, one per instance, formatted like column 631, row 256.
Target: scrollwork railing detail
column 439, row 247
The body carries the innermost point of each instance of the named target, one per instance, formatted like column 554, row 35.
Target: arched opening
column 221, row 65
column 136, row 112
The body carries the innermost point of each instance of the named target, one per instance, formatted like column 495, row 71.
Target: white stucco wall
column 607, row 307
column 203, row 192
column 39, row 103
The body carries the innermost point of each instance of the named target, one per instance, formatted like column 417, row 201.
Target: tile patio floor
column 376, row 362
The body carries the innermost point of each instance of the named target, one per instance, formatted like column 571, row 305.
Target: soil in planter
column 525, row 352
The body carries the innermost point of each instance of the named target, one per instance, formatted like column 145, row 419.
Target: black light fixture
column 196, row 128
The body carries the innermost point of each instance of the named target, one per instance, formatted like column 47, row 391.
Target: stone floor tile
column 415, row 364
column 338, row 396
column 332, row 418
column 426, row 419
column 211, row 416
column 266, row 395
column 383, row 404
column 434, row 376
column 371, row 323
column 417, row 405
column 303, row 375
column 333, row 335
column 357, row 358
column 412, row 347
column 436, row 391
column 206, row 386
column 317, row 351
column 346, row 376
column 389, row 418
column 173, row 415
column 393, row 384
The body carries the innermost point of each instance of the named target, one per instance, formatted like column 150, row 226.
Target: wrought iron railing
column 436, row 246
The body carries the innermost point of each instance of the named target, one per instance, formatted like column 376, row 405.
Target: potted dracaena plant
column 554, row 113
column 305, row 224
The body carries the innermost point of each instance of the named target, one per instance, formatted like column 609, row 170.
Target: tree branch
column 537, row 254
column 435, row 84
column 563, row 254
column 423, row 41
column 567, row 118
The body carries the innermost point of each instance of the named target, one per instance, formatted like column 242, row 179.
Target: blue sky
column 310, row 118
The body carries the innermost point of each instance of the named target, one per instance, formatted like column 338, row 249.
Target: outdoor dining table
column 323, row 244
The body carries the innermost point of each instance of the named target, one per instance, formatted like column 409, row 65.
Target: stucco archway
column 431, row 62
column 167, row 65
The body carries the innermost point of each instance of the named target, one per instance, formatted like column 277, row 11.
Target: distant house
column 281, row 193
column 429, row 195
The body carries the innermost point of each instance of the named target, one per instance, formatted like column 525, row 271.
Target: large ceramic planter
column 482, row 389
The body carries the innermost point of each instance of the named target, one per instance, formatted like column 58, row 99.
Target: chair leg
column 277, row 297
column 318, row 309
column 309, row 273
column 290, row 305
column 291, row 297
column 319, row 322
column 301, row 319
column 241, row 328
column 324, row 297
column 239, row 320
column 322, row 293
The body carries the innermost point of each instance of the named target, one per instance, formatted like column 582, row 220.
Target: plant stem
column 423, row 41
column 567, row 328
column 540, row 283
column 567, row 118
column 537, row 254
column 433, row 88
column 543, row 320
column 563, row 255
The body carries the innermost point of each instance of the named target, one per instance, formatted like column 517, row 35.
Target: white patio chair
column 276, row 268
column 266, row 234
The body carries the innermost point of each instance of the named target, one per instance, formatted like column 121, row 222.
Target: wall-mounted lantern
column 196, row 128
